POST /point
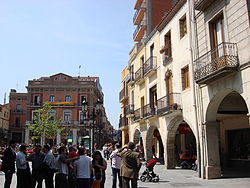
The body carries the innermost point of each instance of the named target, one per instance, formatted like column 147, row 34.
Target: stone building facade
column 188, row 84
column 18, row 115
column 4, row 124
column 65, row 94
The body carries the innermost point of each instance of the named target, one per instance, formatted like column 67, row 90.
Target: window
column 183, row 26
column 35, row 116
column 36, row 100
column 153, row 96
column 18, row 107
column 217, row 36
column 167, row 49
column 17, row 122
column 83, row 98
column 66, row 115
column 185, row 78
column 52, row 98
column 52, row 115
column 83, row 116
column 67, row 98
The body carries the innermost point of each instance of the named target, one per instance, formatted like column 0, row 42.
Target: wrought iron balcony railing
column 148, row 111
column 171, row 101
column 123, row 94
column 217, row 63
column 137, row 114
column 123, row 122
column 202, row 4
column 138, row 74
column 129, row 109
column 150, row 65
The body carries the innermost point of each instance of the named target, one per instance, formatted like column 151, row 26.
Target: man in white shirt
column 23, row 170
column 82, row 168
column 116, row 165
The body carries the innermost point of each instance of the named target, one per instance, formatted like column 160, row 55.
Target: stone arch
column 148, row 145
column 137, row 136
column 170, row 145
column 226, row 103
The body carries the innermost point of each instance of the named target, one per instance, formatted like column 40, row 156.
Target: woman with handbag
column 99, row 166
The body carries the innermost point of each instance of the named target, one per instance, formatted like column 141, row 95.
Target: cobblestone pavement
column 173, row 178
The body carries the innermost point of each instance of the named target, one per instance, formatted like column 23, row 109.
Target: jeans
column 83, row 182
column 8, row 179
column 115, row 173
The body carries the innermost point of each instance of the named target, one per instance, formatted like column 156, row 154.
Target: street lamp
column 93, row 115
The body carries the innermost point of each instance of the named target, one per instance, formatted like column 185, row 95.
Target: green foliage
column 44, row 123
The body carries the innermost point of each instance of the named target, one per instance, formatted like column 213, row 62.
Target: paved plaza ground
column 174, row 178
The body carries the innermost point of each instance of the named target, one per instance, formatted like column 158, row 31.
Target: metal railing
column 137, row 114
column 123, row 121
column 140, row 8
column 225, row 55
column 149, row 65
column 123, row 93
column 171, row 101
column 148, row 110
column 129, row 109
column 142, row 24
column 138, row 74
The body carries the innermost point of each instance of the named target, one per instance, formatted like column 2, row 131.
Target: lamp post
column 96, row 109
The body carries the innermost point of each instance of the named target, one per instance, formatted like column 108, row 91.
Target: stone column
column 74, row 136
column 170, row 151
column 27, row 136
column 58, row 137
column 212, row 166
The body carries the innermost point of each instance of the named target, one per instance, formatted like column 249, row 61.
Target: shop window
column 185, row 78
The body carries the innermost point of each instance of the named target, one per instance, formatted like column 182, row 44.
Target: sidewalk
column 189, row 178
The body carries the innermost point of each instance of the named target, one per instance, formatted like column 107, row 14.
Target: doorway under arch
column 228, row 137
column 154, row 145
column 138, row 137
column 180, row 141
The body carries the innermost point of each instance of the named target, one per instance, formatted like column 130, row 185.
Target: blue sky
column 44, row 37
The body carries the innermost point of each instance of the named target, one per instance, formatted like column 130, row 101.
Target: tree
column 44, row 124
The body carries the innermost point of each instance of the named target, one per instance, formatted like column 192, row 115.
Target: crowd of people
column 70, row 166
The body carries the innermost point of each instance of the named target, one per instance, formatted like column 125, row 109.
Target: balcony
column 168, row 103
column 137, row 4
column 139, row 76
column 150, row 66
column 201, row 5
column 139, row 31
column 18, row 111
column 148, row 111
column 139, row 14
column 217, row 63
column 129, row 110
column 123, row 95
column 137, row 114
column 123, row 122
column 131, row 80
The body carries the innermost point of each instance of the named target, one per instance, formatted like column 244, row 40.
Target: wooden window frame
column 185, row 77
column 183, row 26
